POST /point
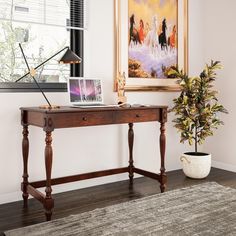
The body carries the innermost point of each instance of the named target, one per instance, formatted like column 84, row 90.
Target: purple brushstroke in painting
column 150, row 62
column 140, row 1
column 162, row 2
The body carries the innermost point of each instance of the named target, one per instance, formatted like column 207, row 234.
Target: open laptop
column 86, row 93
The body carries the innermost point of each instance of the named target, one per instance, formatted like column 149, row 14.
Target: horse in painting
column 133, row 32
column 152, row 38
column 162, row 36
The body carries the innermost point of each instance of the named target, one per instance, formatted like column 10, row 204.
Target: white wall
column 196, row 39
column 219, row 44
column 92, row 148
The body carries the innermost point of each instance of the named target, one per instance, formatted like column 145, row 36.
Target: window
column 43, row 27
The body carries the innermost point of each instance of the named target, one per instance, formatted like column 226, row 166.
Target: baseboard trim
column 10, row 197
column 223, row 166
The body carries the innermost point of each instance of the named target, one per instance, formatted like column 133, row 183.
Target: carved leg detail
column 131, row 161
column 25, row 154
column 49, row 202
column 48, row 206
column 162, row 151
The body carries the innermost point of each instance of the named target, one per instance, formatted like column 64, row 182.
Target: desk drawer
column 83, row 119
column 134, row 116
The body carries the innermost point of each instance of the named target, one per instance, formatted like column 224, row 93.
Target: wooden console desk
column 68, row 117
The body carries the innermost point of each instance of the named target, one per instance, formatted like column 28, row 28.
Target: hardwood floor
column 13, row 216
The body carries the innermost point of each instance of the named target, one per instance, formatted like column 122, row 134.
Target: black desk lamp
column 68, row 58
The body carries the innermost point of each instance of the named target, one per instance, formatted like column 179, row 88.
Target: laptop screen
column 85, row 91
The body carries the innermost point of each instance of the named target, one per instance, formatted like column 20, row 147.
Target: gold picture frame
column 121, row 47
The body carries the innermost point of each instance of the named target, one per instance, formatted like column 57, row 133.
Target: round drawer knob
column 84, row 118
column 137, row 115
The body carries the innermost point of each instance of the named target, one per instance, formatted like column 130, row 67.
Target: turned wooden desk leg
column 162, row 151
column 49, row 202
column 131, row 161
column 25, row 154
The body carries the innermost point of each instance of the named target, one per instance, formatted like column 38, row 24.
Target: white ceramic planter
column 196, row 166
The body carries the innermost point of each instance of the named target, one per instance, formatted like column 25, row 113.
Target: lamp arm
column 34, row 77
column 41, row 63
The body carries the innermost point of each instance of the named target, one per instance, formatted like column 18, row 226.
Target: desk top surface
column 71, row 109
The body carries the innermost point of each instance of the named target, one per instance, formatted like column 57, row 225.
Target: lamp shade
column 70, row 58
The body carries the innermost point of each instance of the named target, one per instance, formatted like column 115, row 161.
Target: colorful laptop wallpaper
column 85, row 91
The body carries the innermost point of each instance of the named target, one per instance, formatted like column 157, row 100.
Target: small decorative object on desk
column 196, row 111
column 121, row 88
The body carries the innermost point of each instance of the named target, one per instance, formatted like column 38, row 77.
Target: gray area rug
column 205, row 209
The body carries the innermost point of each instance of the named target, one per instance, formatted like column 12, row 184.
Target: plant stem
column 196, row 138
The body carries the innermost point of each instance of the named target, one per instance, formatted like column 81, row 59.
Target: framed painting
column 151, row 37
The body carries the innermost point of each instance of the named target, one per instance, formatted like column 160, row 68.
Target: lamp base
column 49, row 107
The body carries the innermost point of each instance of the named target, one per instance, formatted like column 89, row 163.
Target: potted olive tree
column 196, row 111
